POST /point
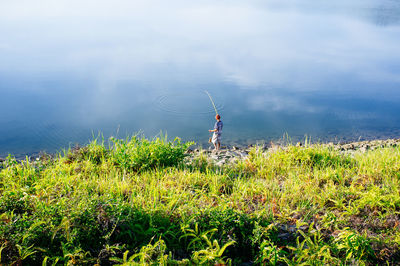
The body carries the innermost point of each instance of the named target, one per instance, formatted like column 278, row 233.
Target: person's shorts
column 216, row 138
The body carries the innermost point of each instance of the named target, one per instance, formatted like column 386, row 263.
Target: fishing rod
column 216, row 112
column 215, row 108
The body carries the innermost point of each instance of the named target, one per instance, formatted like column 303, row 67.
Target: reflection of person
column 216, row 138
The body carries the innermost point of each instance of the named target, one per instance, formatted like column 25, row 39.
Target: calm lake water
column 70, row 70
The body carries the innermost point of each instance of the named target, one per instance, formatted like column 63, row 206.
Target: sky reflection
column 68, row 68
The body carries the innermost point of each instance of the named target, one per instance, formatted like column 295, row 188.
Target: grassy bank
column 140, row 201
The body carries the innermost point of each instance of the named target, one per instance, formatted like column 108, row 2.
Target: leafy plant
column 270, row 253
column 353, row 245
column 139, row 154
column 312, row 249
column 95, row 203
column 210, row 251
column 150, row 254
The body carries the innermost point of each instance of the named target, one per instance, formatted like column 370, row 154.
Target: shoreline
column 229, row 155
column 228, row 152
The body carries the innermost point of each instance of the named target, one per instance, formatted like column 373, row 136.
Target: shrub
column 139, row 154
column 93, row 152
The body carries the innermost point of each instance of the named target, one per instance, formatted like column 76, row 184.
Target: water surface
column 69, row 70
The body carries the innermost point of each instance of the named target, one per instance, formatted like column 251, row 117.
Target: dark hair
column 217, row 116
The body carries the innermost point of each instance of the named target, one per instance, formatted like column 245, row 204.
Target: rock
column 214, row 157
column 363, row 149
column 242, row 154
column 220, row 163
column 229, row 154
column 303, row 228
column 285, row 236
column 233, row 160
column 348, row 146
column 234, row 154
column 292, row 228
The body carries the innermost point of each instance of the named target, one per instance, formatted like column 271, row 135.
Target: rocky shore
column 228, row 155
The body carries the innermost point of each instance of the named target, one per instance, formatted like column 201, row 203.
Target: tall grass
column 140, row 201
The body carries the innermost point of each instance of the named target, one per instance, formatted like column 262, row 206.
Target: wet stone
column 220, row 163
column 242, row 154
column 348, row 146
column 214, row 157
column 233, row 160
column 235, row 153
column 229, row 154
column 285, row 236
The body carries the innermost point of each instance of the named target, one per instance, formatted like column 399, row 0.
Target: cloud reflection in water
column 94, row 65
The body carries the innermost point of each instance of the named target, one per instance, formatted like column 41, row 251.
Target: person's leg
column 218, row 142
column 215, row 141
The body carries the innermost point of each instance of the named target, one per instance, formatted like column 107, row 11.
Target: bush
column 140, row 154
column 93, row 152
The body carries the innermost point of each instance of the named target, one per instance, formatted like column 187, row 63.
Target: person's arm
column 215, row 128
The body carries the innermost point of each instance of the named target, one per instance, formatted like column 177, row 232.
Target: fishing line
column 216, row 112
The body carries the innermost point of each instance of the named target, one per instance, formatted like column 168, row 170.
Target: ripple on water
column 193, row 103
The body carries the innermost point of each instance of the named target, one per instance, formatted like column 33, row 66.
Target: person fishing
column 217, row 131
column 216, row 138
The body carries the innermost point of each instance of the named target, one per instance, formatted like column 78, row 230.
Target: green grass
column 139, row 201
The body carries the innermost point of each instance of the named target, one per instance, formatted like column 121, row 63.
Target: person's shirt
column 218, row 126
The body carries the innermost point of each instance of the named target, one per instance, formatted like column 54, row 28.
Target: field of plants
column 139, row 201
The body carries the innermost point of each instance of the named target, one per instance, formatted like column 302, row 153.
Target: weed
column 139, row 154
column 102, row 204
column 354, row 246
